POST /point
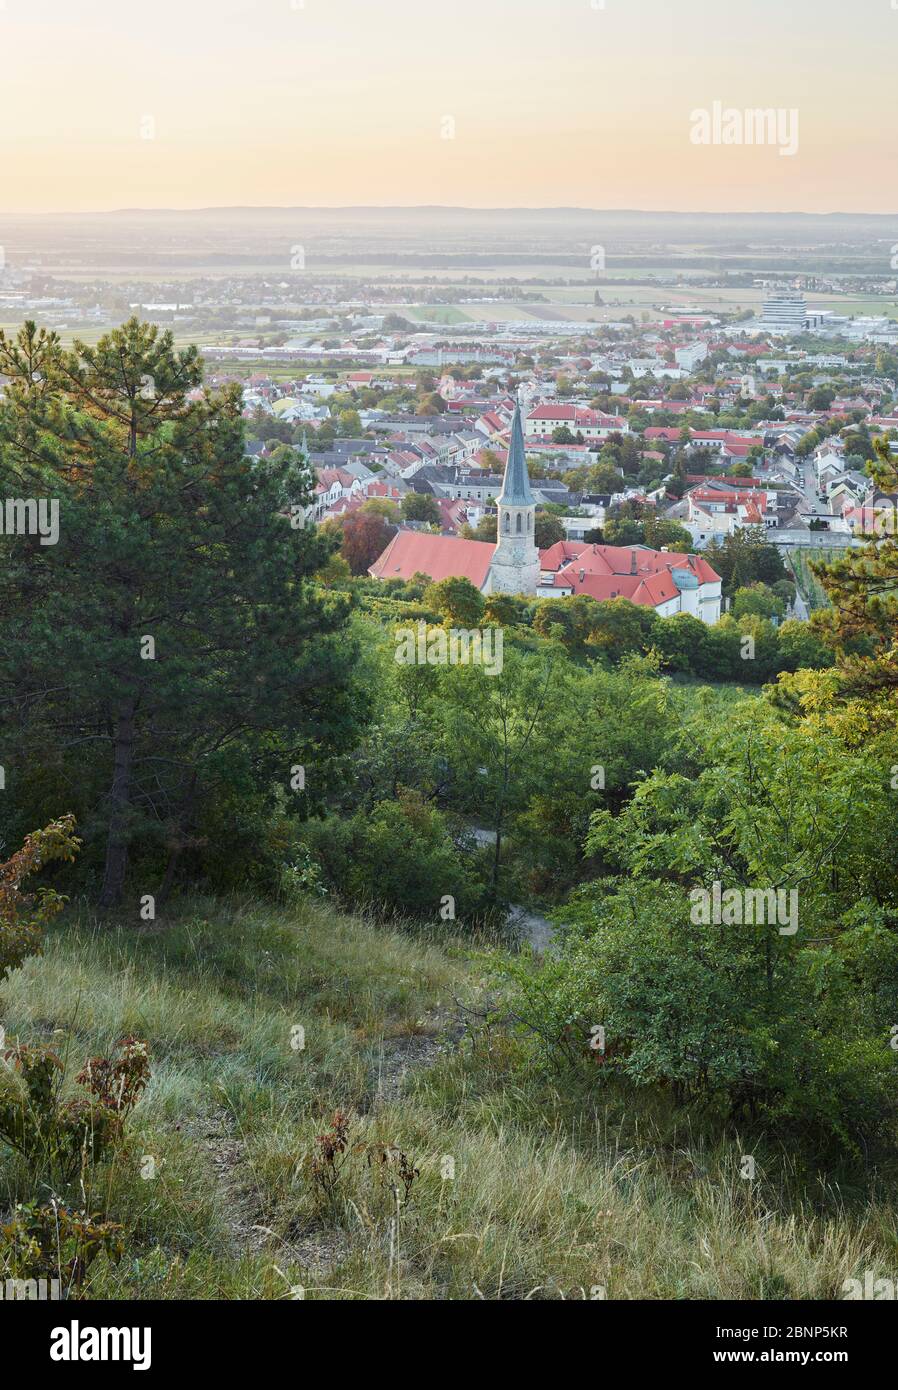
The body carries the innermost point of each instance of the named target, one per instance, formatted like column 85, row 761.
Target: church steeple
column 515, row 568
column 516, row 484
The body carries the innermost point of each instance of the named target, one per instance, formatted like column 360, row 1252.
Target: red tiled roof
column 559, row 554
column 453, row 514
column 343, row 506
column 601, row 571
column 441, row 557
column 329, row 476
column 576, row 414
column 569, row 558
column 648, row 591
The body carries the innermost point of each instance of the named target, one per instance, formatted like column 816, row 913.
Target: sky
column 478, row 103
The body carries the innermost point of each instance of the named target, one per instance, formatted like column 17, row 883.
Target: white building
column 670, row 582
column 689, row 357
column 785, row 312
column 543, row 419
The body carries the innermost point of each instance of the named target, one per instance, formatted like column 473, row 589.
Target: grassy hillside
column 557, row 1190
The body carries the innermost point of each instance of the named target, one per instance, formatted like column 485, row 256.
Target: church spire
column 516, row 484
column 515, row 568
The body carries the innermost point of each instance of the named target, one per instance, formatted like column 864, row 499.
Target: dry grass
column 556, row 1193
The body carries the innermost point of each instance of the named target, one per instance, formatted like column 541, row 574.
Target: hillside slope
column 524, row 1188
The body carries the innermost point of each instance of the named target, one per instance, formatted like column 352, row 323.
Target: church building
column 666, row 581
column 512, row 566
column 515, row 567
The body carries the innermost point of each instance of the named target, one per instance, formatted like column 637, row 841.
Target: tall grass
column 529, row 1186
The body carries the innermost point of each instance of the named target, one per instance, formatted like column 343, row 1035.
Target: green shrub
column 24, row 915
column 61, row 1138
column 754, row 1017
column 399, row 857
column 53, row 1242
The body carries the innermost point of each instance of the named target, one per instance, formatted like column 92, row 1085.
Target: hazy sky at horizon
column 331, row 102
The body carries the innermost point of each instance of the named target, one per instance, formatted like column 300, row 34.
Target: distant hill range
column 260, row 238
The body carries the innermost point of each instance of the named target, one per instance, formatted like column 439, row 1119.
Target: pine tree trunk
column 120, row 800
column 497, row 852
column 498, row 823
column 179, row 841
column 169, row 877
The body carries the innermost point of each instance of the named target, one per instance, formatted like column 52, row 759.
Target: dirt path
column 398, row 1058
column 531, row 927
column 318, row 1248
column 218, row 1134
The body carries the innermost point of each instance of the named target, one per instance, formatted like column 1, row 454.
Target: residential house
column 668, row 581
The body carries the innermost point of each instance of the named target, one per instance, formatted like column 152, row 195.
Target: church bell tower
column 515, row 568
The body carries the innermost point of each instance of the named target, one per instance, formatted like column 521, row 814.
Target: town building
column 785, row 312
column 669, row 582
column 542, row 420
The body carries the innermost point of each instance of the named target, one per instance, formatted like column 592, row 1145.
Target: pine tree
column 862, row 586
column 176, row 615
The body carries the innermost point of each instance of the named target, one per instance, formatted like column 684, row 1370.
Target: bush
column 53, row 1242
column 457, row 601
column 58, row 1138
column 757, row 1016
column 759, row 600
column 399, row 857
column 689, row 1009
column 24, row 915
